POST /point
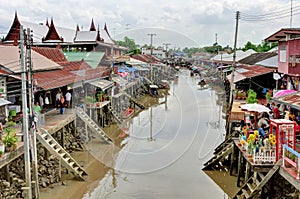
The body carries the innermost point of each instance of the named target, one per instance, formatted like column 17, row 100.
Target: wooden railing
column 262, row 155
column 291, row 161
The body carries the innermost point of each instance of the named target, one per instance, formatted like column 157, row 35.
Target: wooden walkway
column 53, row 122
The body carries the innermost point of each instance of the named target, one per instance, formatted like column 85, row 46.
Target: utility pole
column 151, row 41
column 166, row 45
column 234, row 56
column 233, row 71
column 25, row 118
column 32, row 126
column 291, row 19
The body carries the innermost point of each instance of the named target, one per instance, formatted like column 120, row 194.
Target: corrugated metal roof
column 55, row 54
column 93, row 73
column 75, row 65
column 102, row 83
column 92, row 58
column 86, row 36
column 55, row 79
column 247, row 71
column 282, row 33
column 257, row 57
column 10, row 58
column 292, row 100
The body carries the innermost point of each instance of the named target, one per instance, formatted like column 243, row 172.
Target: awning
column 4, row 102
column 237, row 77
column 102, row 83
column 120, row 80
column 292, row 100
column 153, row 86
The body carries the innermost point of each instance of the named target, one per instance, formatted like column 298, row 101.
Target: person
column 262, row 131
column 62, row 104
column 58, row 95
column 263, row 120
column 1, row 130
column 68, row 99
column 41, row 101
column 276, row 113
column 37, row 108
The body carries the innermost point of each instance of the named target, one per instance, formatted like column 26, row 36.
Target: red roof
column 14, row 30
column 75, row 65
column 146, row 58
column 96, row 73
column 54, row 79
column 280, row 34
column 55, row 54
column 52, row 33
column 254, row 70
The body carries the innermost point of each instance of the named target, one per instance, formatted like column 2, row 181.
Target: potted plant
column 251, row 97
column 10, row 139
column 1, row 153
column 268, row 96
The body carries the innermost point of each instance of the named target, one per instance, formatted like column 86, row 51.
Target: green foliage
column 129, row 43
column 10, row 137
column 268, row 96
column 263, row 47
column 251, row 99
column 1, row 152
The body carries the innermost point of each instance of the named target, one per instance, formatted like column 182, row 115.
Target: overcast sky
column 177, row 22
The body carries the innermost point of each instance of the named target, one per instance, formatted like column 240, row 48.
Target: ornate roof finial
column 47, row 23
column 92, row 28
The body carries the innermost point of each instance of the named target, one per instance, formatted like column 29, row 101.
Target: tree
column 130, row 43
column 263, row 47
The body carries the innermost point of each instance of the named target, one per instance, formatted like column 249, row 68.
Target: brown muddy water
column 162, row 152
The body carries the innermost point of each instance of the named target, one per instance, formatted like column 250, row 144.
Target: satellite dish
column 276, row 76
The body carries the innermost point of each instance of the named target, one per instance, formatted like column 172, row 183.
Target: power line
column 272, row 15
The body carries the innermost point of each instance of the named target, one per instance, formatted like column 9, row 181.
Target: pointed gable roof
column 52, row 34
column 14, row 31
column 98, row 35
column 47, row 23
column 92, row 28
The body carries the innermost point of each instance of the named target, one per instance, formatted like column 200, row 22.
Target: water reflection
column 165, row 147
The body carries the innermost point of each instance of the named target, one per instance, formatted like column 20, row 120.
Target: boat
column 153, row 90
column 127, row 113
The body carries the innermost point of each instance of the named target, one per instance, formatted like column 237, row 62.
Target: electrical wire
column 279, row 14
column 276, row 13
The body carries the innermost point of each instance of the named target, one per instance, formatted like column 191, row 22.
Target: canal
column 166, row 146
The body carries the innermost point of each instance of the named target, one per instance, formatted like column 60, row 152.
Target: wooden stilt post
column 232, row 159
column 248, row 169
column 239, row 169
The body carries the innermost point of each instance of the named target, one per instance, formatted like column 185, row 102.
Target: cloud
column 197, row 20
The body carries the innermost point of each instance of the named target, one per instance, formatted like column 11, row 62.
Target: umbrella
column 4, row 102
column 255, row 108
column 283, row 92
